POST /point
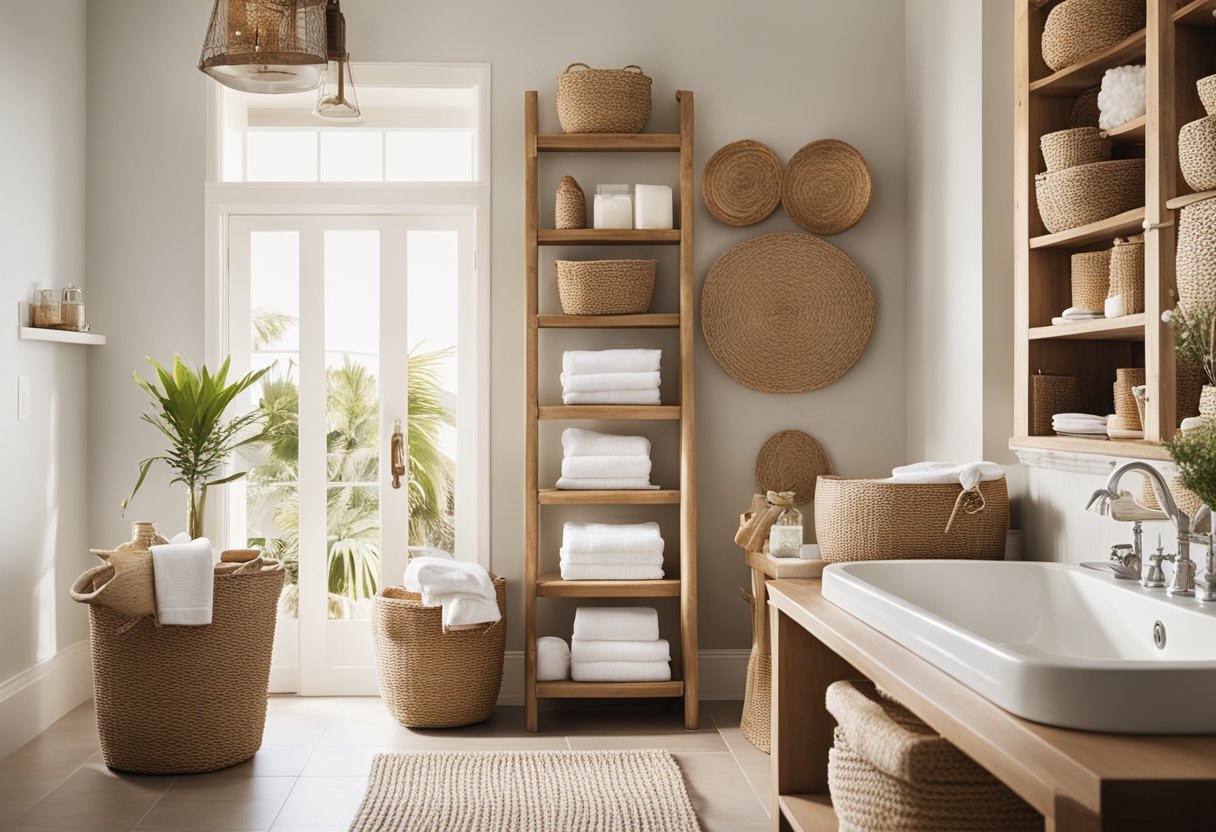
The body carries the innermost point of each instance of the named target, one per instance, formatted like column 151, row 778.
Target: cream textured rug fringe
column 526, row 791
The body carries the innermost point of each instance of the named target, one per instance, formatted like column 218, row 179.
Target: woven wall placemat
column 826, row 186
column 741, row 183
column 786, row 312
column 791, row 461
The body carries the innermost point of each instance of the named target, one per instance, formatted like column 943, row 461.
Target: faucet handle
column 1155, row 577
column 1205, row 587
column 1120, row 552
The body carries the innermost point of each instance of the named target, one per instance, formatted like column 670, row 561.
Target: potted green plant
column 1194, row 453
column 189, row 411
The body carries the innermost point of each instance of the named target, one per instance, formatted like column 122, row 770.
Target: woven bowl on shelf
column 1090, row 280
column 1207, row 93
column 1085, row 112
column 1127, row 272
column 826, row 187
column 1089, row 193
column 1197, row 153
column 1195, row 268
column 741, row 183
column 1075, row 146
column 603, row 100
column 1076, row 29
column 605, row 287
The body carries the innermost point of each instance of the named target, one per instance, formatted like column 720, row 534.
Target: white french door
column 341, row 307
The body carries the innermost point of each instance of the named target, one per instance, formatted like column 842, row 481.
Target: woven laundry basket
column 1125, row 403
column 888, row 771
column 1197, row 153
column 429, row 678
column 1127, row 272
column 185, row 700
column 884, row 520
column 1052, row 394
column 1090, row 280
column 605, row 287
column 1207, row 93
column 1088, row 193
column 1075, row 146
column 603, row 100
column 1076, row 29
column 1195, row 267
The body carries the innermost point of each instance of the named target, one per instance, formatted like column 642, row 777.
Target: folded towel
column 594, row 382
column 1092, row 417
column 611, row 558
column 596, row 467
column 967, row 474
column 552, row 659
column 578, row 442
column 620, row 651
column 1114, row 307
column 587, row 362
column 612, row 537
column 463, row 589
column 613, row 397
column 1076, row 313
column 605, row 484
column 616, row 623
column 611, row 572
column 620, row 671
column 184, row 576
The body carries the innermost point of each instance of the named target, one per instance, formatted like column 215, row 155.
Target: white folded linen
column 612, row 537
column 605, row 484
column 582, row 467
column 611, row 572
column 1079, row 428
column 1114, row 307
column 579, row 442
column 616, row 623
column 184, row 580
column 620, row 651
column 613, row 397
column 611, row 558
column 552, row 659
column 593, row 382
column 587, row 362
column 620, row 671
column 967, row 474
column 463, row 589
column 1074, row 312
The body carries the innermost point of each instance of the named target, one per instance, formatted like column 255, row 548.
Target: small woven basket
column 1085, row 112
column 1075, row 146
column 1207, row 401
column 1052, row 394
column 1076, row 29
column 1188, row 387
column 570, row 207
column 1197, row 153
column 1090, row 280
column 1089, row 193
column 1207, row 93
column 1127, row 272
column 603, row 100
column 756, row 723
column 429, row 678
column 605, row 287
column 885, row 520
column 1195, row 268
column 1125, row 403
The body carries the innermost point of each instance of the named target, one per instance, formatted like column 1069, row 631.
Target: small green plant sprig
column 1195, row 336
column 1194, row 452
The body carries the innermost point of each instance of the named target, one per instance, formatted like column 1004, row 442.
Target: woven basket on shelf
column 605, row 287
column 1090, row 280
column 1207, row 93
column 1127, row 272
column 1075, row 146
column 1125, row 403
column 429, row 678
column 1076, row 29
column 1089, row 193
column 884, row 520
column 1196, row 263
column 570, row 205
column 1085, row 112
column 1188, row 386
column 1052, row 394
column 757, row 721
column 603, row 100
column 1197, row 153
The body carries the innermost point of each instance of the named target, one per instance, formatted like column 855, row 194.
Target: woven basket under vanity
column 605, row 287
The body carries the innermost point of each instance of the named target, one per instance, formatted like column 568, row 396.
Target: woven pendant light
column 266, row 46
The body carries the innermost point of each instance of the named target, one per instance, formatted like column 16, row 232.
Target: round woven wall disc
column 741, row 183
column 791, row 461
column 786, row 312
column 826, row 186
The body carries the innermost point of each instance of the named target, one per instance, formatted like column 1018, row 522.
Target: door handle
column 397, row 454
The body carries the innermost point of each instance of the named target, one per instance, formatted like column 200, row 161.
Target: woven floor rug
column 526, row 791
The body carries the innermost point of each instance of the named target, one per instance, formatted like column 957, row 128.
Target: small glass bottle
column 785, row 537
column 71, row 310
column 46, row 309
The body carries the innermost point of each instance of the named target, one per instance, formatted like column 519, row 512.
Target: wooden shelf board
column 1120, row 225
column 563, row 497
column 1197, row 13
column 1131, row 132
column 1075, row 79
column 660, row 320
column 608, row 690
column 608, row 142
column 607, row 237
column 1185, row 200
column 62, row 336
column 1132, row 448
column 1127, row 328
column 669, row 412
column 808, row 812
column 552, row 586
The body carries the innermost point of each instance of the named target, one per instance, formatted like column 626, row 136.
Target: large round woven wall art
column 741, row 183
column 791, row 461
column 786, row 312
column 826, row 187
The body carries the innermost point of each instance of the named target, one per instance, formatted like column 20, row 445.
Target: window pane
column 353, row 550
column 281, row 156
column 428, row 156
column 352, row 156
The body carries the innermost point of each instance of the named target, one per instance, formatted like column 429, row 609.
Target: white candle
column 613, row 207
column 652, row 206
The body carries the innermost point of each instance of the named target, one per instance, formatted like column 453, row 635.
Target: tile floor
column 311, row 772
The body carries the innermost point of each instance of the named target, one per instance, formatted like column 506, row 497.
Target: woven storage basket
column 1052, row 394
column 1184, row 498
column 1089, row 193
column 888, row 770
column 1076, row 29
column 605, row 287
column 184, row 700
column 1188, row 387
column 1075, row 146
column 884, row 520
column 1127, row 272
column 570, row 205
column 1125, row 403
column 429, row 678
column 1207, row 401
column 1090, row 280
column 1195, row 268
column 1085, row 112
column 1197, row 153
column 756, row 724
column 603, row 100
column 1207, row 93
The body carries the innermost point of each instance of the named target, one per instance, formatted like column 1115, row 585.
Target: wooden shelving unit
column 538, row 585
column 1178, row 45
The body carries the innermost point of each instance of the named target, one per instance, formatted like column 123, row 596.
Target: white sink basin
column 1048, row 642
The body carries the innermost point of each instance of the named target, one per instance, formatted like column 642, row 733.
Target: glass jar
column 785, row 536
column 46, row 309
column 613, row 207
column 71, row 309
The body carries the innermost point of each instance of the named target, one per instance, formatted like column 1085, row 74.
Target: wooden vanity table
column 1078, row 780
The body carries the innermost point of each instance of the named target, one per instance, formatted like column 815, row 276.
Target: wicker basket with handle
column 605, row 287
column 603, row 100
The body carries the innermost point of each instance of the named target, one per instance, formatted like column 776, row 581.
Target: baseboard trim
column 36, row 698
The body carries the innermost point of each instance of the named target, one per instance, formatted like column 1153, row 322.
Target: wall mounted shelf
column 648, row 321
column 1197, row 13
column 62, row 336
column 1120, row 225
column 1127, row 328
column 1131, row 132
column 1076, row 79
column 607, row 237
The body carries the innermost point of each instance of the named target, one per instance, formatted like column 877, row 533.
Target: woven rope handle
column 634, row 67
column 572, row 66
column 971, row 501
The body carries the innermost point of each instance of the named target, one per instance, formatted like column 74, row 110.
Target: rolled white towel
column 587, row 362
column 620, row 671
column 612, row 537
column 616, row 623
column 593, row 382
column 611, row 572
column 184, row 580
column 552, row 659
column 611, row 558
column 620, row 651
column 595, row 467
column 614, row 397
column 969, row 474
column 579, row 442
column 1114, row 307
column 605, row 484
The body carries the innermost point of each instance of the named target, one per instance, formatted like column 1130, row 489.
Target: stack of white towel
column 1079, row 424
column 618, row 644
column 611, row 552
column 604, row 461
column 464, row 590
column 611, row 377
